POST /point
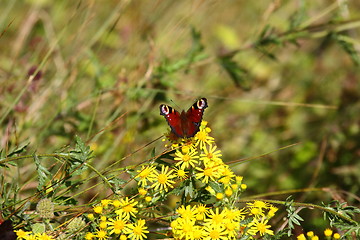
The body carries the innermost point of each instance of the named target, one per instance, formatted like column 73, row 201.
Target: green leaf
column 43, row 174
column 18, row 150
column 78, row 157
column 238, row 74
column 38, row 228
column 346, row 44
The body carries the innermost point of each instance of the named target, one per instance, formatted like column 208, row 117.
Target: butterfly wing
column 191, row 123
column 173, row 119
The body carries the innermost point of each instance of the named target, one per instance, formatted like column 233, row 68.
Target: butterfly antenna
column 177, row 106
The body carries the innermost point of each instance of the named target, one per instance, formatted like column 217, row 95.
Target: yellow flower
column 228, row 192
column 184, row 228
column 211, row 154
column 198, row 233
column 103, row 224
column 232, row 228
column 219, row 196
column 206, row 174
column 138, row 230
column 202, row 138
column 89, row 236
column 215, row 218
column 258, row 204
column 101, row 235
column 127, row 208
column 188, row 212
column 98, row 209
column 116, row 203
column 310, row 234
column 163, row 179
column 215, row 232
column 239, row 179
column 328, row 232
column 142, row 191
column 272, row 211
column 260, row 227
column 146, row 174
column 32, row 237
column 235, row 214
column 337, row 236
column 201, row 211
column 21, row 233
column 105, row 202
column 123, row 237
column 181, row 173
column 186, row 160
column 43, row 236
column 91, row 216
column 116, row 225
column 186, row 148
column 256, row 212
column 301, row 237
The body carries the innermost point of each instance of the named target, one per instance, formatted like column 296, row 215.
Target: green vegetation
column 80, row 87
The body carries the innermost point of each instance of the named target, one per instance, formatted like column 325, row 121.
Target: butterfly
column 184, row 124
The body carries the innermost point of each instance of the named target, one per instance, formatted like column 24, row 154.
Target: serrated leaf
column 43, row 174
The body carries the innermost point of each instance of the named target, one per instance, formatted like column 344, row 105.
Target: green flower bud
column 45, row 208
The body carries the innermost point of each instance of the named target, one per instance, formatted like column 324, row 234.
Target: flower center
column 261, row 227
column 208, row 172
column 186, row 158
column 119, row 225
column 137, row 230
column 128, row 208
column 214, row 234
column 162, row 178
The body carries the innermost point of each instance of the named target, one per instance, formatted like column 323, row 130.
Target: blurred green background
column 275, row 73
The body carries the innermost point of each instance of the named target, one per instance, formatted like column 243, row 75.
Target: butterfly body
column 185, row 124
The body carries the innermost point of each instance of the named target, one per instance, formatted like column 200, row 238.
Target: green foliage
column 237, row 73
column 348, row 213
column 293, row 217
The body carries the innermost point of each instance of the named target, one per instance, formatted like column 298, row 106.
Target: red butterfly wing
column 194, row 117
column 185, row 124
column 173, row 119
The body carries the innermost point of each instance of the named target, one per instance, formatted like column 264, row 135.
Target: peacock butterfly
column 184, row 124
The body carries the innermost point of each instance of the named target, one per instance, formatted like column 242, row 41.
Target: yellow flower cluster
column 117, row 218
column 200, row 222
column 200, row 159
column 28, row 235
column 312, row 236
